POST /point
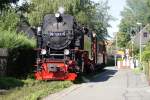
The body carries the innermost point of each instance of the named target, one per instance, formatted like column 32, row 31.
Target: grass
column 33, row 89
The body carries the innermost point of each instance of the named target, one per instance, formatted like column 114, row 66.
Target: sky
column 116, row 6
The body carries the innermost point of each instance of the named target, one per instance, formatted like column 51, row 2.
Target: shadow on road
column 104, row 76
column 98, row 76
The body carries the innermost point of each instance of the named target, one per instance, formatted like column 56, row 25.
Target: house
column 24, row 27
column 143, row 37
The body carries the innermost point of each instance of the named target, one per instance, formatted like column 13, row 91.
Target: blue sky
column 116, row 6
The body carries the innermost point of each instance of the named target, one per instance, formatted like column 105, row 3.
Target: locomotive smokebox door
column 58, row 31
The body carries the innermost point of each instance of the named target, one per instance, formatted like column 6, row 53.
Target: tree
column 100, row 21
column 135, row 11
column 81, row 9
column 133, row 48
column 122, row 39
column 9, row 20
column 4, row 3
column 92, row 15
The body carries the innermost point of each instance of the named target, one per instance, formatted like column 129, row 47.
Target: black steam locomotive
column 64, row 48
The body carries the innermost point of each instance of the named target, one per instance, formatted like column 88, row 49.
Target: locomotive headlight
column 57, row 15
column 43, row 51
column 66, row 52
column 39, row 29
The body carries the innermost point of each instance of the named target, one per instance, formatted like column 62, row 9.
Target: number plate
column 57, row 34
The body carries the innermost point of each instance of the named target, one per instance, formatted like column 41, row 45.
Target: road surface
column 109, row 85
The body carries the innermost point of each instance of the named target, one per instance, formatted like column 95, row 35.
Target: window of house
column 145, row 34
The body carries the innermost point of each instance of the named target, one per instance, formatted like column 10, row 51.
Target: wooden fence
column 3, row 61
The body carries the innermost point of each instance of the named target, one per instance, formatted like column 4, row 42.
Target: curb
column 59, row 95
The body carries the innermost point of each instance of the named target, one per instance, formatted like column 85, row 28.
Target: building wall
column 144, row 38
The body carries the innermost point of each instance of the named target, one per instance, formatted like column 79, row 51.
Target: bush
column 146, row 52
column 146, row 60
column 21, row 55
column 20, row 48
column 20, row 62
column 146, row 68
column 11, row 40
column 7, row 83
column 146, row 55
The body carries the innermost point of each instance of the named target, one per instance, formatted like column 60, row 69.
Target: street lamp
column 132, row 45
column 140, row 24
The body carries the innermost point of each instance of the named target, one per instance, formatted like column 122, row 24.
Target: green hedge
column 8, row 83
column 11, row 40
column 146, row 60
column 21, row 55
column 146, row 67
column 20, row 62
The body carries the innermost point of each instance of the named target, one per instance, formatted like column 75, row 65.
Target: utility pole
column 140, row 45
column 140, row 33
column 132, row 46
column 116, row 48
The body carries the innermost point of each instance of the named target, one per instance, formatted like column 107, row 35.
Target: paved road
column 110, row 85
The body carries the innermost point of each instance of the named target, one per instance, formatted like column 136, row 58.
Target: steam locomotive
column 64, row 48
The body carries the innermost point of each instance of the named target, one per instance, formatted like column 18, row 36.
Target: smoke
column 61, row 10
